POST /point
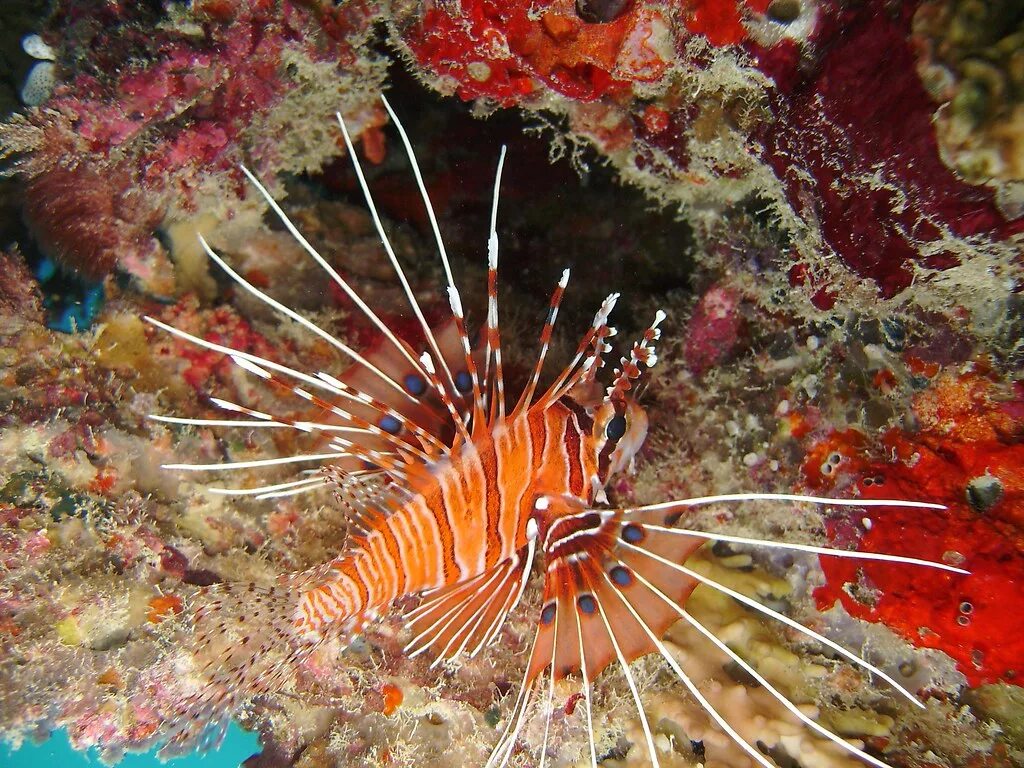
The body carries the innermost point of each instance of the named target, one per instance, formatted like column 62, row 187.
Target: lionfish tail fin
column 244, row 643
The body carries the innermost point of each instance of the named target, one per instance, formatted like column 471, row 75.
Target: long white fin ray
column 312, row 482
column 652, row 749
column 690, row 686
column 750, row 670
column 325, row 265
column 847, row 553
column 453, row 292
column 304, row 322
column 782, row 618
column 393, row 258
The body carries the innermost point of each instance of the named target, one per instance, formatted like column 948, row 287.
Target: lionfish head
column 620, row 422
column 620, row 428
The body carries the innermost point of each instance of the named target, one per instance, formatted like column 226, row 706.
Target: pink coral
column 221, row 326
column 88, row 220
column 19, row 293
column 714, row 329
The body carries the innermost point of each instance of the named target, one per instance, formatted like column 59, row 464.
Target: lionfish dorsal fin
column 642, row 355
column 454, row 298
column 449, row 366
column 393, row 409
column 366, row 496
column 526, row 397
column 433, row 361
column 587, row 358
column 494, row 376
column 423, row 405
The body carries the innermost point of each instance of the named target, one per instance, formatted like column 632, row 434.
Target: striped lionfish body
column 467, row 518
column 454, row 495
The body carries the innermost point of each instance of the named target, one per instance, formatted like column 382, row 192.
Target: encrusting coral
column 975, row 68
column 723, row 102
column 159, row 108
column 807, row 186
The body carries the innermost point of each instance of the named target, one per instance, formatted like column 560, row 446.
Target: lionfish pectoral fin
column 465, row 617
column 659, row 523
column 612, row 593
column 596, row 612
column 627, row 584
column 391, row 406
column 244, row 644
column 367, row 498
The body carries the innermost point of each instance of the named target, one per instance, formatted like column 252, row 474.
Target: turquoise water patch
column 238, row 745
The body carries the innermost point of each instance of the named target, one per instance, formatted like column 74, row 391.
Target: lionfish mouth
column 420, row 443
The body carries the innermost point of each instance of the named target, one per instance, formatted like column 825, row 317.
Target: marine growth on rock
column 825, row 198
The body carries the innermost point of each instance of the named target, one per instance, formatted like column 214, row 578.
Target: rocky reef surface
column 825, row 196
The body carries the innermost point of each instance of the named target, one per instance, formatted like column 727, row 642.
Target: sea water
column 56, row 751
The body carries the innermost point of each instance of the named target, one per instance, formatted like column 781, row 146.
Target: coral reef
column 838, row 248
column 779, row 105
column 87, row 507
column 814, row 110
column 158, row 107
column 877, row 409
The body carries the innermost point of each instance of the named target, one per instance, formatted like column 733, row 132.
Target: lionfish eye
column 616, row 427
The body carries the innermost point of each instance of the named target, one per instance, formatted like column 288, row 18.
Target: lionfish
column 453, row 494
